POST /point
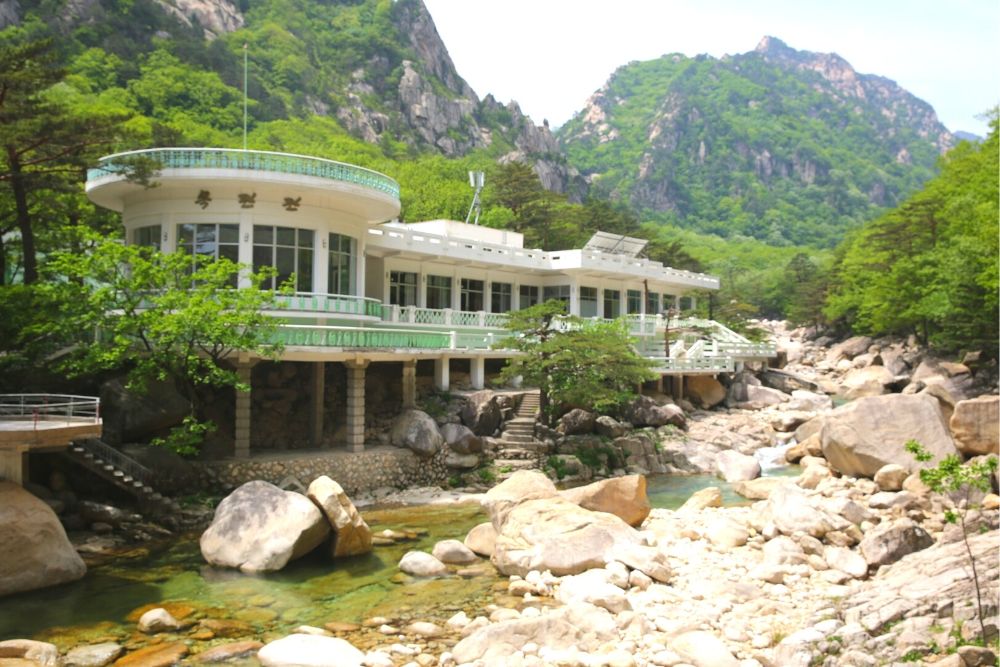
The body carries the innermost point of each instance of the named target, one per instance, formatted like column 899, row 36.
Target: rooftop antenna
column 476, row 180
column 245, row 49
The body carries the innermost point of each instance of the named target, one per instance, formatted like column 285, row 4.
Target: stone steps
column 515, row 464
column 143, row 492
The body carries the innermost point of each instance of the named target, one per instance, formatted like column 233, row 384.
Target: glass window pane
column 304, row 273
column 285, row 236
column 262, row 234
column 229, row 233
column 185, row 234
column 285, row 263
column 305, row 238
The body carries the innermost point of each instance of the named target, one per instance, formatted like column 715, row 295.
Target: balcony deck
column 367, row 192
column 698, row 346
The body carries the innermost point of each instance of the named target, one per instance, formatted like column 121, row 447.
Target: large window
column 289, row 251
column 472, row 295
column 402, row 288
column 500, row 297
column 340, row 274
column 669, row 302
column 147, row 236
column 612, row 303
column 528, row 296
column 634, row 301
column 209, row 240
column 439, row 291
column 652, row 303
column 588, row 302
column 560, row 292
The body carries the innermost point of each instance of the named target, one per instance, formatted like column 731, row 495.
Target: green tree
column 573, row 363
column 159, row 316
column 46, row 140
column 958, row 480
column 929, row 267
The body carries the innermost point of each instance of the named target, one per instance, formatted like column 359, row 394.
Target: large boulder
column 644, row 411
column 975, row 425
column 867, row 381
column 130, row 416
column 861, row 437
column 522, row 485
column 482, row 539
column 577, row 422
column 557, row 535
column 956, row 378
column 32, row 652
column 790, row 510
column 735, row 467
column 260, row 528
column 888, row 542
column 609, row 427
column 759, row 396
column 461, row 440
column 351, row 535
column 300, row 650
column 625, row 497
column 786, row 382
column 418, row 432
column 705, row 391
column 580, row 627
column 758, row 489
column 482, row 413
column 34, row 549
column 422, row 564
column 848, row 349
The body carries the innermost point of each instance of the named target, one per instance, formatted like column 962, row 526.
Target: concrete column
column 410, row 384
column 244, row 371
column 318, row 402
column 477, row 372
column 659, row 384
column 678, row 391
column 442, row 381
column 14, row 465
column 356, row 405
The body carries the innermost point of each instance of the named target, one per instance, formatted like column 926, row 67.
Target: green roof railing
column 119, row 164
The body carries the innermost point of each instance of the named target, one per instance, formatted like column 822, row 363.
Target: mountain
column 376, row 67
column 786, row 146
column 962, row 135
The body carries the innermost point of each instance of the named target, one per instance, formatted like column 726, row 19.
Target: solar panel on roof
column 617, row 244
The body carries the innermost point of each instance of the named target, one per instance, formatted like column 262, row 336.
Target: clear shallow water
column 104, row 605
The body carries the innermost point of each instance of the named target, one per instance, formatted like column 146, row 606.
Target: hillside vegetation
column 785, row 146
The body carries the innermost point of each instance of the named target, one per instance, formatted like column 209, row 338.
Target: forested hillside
column 785, row 146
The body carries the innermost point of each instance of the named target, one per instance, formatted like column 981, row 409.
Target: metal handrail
column 46, row 407
column 119, row 460
column 233, row 158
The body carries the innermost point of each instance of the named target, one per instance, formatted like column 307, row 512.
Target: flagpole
column 245, row 45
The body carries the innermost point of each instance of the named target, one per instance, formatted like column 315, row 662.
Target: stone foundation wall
column 356, row 472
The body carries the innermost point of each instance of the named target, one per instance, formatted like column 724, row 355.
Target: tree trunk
column 23, row 217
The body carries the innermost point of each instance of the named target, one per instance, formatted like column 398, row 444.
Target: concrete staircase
column 517, row 448
column 123, row 471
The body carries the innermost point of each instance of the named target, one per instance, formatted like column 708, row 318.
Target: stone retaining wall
column 356, row 472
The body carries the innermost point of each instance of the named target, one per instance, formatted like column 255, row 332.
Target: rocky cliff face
column 894, row 102
column 10, row 13
column 216, row 17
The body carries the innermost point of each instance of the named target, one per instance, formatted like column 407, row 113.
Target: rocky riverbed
column 850, row 563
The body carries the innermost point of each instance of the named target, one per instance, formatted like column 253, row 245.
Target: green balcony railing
column 340, row 304
column 319, row 336
column 120, row 164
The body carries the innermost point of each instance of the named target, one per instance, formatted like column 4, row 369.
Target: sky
column 551, row 55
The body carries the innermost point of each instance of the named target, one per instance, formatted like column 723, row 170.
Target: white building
column 370, row 291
